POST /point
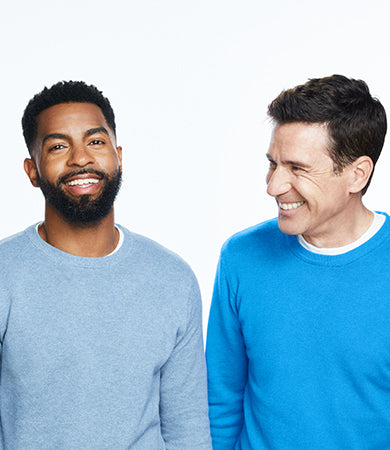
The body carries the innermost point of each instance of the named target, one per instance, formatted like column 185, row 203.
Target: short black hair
column 356, row 121
column 63, row 92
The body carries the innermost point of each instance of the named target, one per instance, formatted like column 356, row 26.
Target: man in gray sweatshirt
column 100, row 328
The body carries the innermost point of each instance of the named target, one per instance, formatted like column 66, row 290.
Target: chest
column 87, row 327
column 329, row 318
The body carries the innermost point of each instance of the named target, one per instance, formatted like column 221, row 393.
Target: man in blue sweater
column 298, row 345
column 100, row 328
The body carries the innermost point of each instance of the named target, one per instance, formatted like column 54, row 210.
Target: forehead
column 69, row 117
column 300, row 140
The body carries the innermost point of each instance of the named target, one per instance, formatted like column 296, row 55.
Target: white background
column 189, row 82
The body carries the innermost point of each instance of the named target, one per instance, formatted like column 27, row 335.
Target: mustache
column 63, row 179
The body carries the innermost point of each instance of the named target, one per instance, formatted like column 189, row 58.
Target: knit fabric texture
column 298, row 345
column 100, row 353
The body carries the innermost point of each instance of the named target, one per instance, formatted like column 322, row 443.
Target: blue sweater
column 298, row 345
column 100, row 353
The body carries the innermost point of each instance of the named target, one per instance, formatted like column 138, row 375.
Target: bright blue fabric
column 100, row 353
column 298, row 345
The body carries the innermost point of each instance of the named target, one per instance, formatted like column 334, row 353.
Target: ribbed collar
column 61, row 257
column 339, row 260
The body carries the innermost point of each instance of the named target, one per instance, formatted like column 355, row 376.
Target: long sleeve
column 226, row 364
column 4, row 313
column 183, row 390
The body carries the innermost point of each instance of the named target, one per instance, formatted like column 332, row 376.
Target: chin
column 289, row 228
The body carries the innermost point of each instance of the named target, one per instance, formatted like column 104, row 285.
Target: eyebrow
column 92, row 131
column 297, row 163
column 290, row 162
column 89, row 132
column 54, row 136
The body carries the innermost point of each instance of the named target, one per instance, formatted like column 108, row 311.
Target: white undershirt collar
column 120, row 241
column 379, row 220
column 118, row 245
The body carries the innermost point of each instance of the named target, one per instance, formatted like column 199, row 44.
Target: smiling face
column 312, row 199
column 76, row 162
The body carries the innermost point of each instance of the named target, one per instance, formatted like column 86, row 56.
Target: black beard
column 83, row 210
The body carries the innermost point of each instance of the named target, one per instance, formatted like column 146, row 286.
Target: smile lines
column 290, row 205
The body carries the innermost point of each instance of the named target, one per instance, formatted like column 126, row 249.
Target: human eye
column 56, row 147
column 272, row 164
column 96, row 143
column 271, row 170
column 296, row 169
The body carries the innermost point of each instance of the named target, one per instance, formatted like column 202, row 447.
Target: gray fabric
column 100, row 352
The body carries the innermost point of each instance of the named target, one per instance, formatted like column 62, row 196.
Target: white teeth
column 290, row 205
column 82, row 181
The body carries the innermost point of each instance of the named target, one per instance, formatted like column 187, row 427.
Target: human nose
column 278, row 182
column 79, row 156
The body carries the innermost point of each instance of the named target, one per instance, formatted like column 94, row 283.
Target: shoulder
column 11, row 246
column 153, row 256
column 162, row 275
column 12, row 257
column 258, row 248
column 261, row 236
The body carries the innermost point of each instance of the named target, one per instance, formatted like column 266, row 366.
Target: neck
column 348, row 229
column 94, row 240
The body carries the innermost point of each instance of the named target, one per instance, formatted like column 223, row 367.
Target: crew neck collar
column 63, row 257
column 378, row 221
column 343, row 258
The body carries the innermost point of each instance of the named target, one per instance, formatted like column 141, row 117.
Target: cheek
column 109, row 162
column 311, row 186
column 51, row 170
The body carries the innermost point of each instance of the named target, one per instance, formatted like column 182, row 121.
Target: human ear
column 119, row 152
column 31, row 170
column 361, row 169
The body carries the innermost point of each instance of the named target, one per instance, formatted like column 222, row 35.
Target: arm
column 226, row 365
column 183, row 389
column 4, row 314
